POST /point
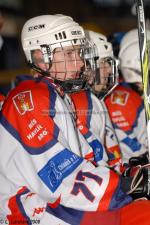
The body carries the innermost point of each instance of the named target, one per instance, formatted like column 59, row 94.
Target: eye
column 102, row 63
column 69, row 53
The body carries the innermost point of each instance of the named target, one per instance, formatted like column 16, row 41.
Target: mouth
column 72, row 75
column 75, row 76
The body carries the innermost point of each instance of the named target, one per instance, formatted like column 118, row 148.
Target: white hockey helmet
column 103, row 47
column 51, row 30
column 129, row 56
column 129, row 37
column 94, row 36
column 104, row 56
column 48, row 32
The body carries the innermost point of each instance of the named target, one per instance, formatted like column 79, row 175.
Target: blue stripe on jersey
column 138, row 113
column 132, row 143
column 97, row 149
column 88, row 134
column 68, row 215
column 29, row 149
column 96, row 145
column 52, row 98
column 119, row 199
column 59, row 167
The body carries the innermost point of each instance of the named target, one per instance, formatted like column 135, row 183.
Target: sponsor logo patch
column 59, row 167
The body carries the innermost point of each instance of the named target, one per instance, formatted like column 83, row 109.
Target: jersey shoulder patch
column 122, row 101
column 28, row 115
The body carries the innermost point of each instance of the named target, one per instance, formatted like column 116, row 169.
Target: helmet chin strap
column 38, row 69
column 71, row 85
column 68, row 86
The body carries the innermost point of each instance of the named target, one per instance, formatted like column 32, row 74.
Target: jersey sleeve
column 91, row 123
column 111, row 143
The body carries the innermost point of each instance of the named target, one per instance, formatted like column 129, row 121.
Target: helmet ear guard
column 47, row 54
column 46, row 59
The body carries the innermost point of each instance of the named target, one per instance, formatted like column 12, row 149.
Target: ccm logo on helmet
column 36, row 27
column 76, row 32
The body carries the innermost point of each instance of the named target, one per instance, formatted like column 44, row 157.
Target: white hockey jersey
column 42, row 163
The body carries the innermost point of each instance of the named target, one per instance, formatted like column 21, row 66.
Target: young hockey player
column 105, row 81
column 125, row 104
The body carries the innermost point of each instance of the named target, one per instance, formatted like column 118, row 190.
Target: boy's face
column 105, row 71
column 66, row 62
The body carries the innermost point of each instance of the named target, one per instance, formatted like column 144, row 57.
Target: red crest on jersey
column 119, row 97
column 23, row 102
